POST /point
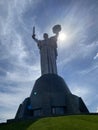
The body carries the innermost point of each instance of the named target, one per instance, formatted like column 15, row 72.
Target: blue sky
column 19, row 56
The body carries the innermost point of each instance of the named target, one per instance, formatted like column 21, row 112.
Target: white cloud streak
column 96, row 56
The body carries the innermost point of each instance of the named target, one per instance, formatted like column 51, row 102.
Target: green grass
column 78, row 122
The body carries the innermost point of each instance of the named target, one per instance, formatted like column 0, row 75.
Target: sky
column 19, row 55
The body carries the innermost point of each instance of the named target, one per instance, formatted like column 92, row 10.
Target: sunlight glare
column 62, row 37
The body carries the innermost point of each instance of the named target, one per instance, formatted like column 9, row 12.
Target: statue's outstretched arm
column 57, row 34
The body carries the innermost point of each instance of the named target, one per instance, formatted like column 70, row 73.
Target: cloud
column 92, row 68
column 18, row 65
column 78, row 55
column 13, row 44
column 21, row 73
column 11, row 96
column 97, row 110
column 86, row 92
column 96, row 56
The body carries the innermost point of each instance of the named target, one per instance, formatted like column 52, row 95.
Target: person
column 48, row 53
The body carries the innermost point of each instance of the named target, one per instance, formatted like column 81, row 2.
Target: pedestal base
column 50, row 97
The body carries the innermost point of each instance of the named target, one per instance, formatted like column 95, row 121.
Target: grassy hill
column 77, row 122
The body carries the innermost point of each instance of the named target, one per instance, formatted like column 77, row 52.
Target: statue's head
column 45, row 36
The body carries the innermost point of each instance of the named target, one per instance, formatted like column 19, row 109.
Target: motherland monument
column 48, row 50
column 50, row 95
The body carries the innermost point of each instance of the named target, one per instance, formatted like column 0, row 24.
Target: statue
column 48, row 50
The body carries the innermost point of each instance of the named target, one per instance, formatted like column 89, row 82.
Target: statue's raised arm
column 33, row 36
column 56, row 29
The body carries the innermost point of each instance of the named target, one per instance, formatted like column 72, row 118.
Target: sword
column 34, row 31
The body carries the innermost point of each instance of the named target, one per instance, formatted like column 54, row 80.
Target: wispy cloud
column 96, row 56
column 11, row 96
column 86, row 92
column 18, row 69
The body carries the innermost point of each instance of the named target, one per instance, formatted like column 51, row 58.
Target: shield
column 56, row 28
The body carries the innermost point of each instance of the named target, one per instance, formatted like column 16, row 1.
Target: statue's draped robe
column 48, row 55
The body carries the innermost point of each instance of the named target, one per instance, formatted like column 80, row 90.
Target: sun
column 62, row 36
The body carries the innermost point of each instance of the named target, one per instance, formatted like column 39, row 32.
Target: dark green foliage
column 22, row 125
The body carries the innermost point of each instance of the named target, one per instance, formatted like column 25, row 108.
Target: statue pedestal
column 50, row 97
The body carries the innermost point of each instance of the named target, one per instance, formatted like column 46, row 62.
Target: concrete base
column 50, row 97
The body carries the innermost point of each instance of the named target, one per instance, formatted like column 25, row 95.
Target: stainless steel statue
column 48, row 50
